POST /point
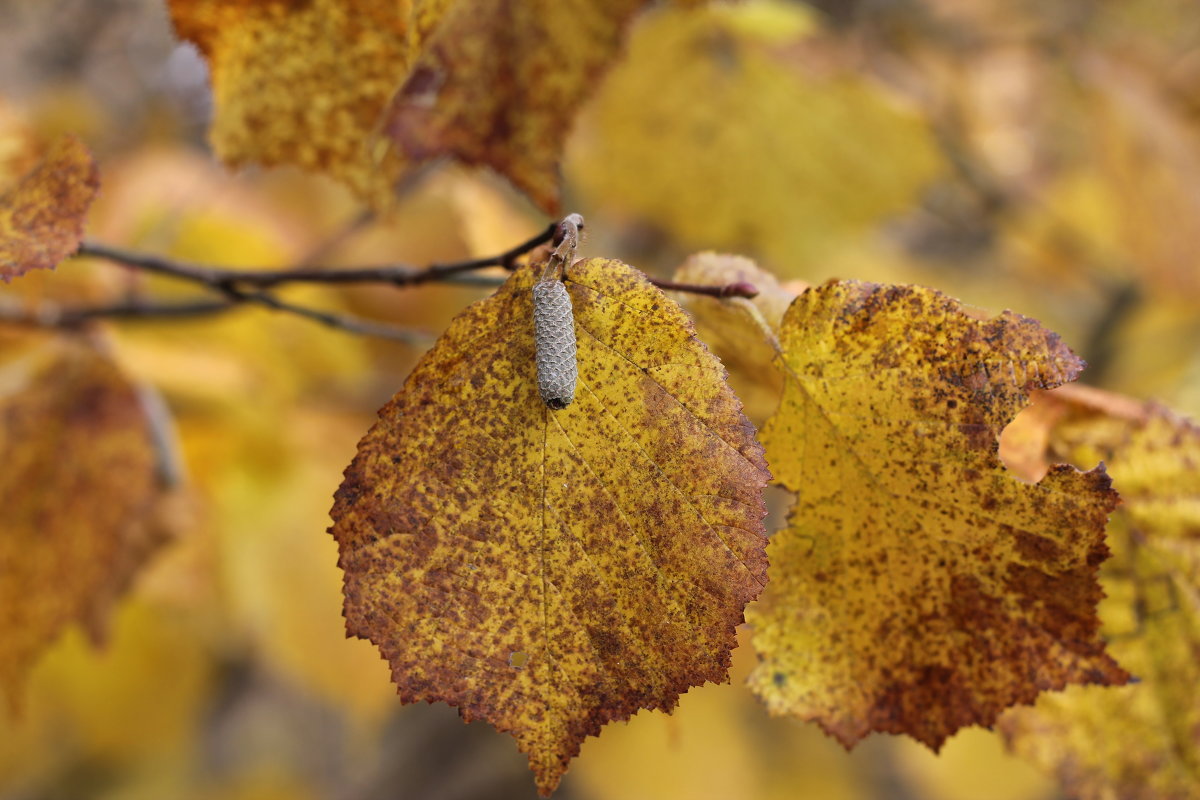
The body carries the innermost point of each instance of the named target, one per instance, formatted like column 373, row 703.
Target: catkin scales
column 554, row 336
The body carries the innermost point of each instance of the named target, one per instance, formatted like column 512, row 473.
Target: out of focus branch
column 222, row 279
column 72, row 317
column 240, row 287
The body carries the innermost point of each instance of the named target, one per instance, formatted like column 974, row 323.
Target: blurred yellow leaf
column 551, row 571
column 740, row 331
column 42, row 211
column 281, row 578
column 307, row 83
column 973, row 764
column 718, row 745
column 130, row 709
column 501, row 81
column 919, row 588
column 1140, row 741
column 79, row 491
column 708, row 129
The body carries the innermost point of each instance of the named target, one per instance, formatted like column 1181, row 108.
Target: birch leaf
column 501, row 81
column 919, row 587
column 42, row 211
column 552, row 571
column 79, row 489
column 1140, row 741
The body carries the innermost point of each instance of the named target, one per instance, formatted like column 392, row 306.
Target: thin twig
column 232, row 284
column 240, row 287
column 330, row 319
column 395, row 274
column 141, row 310
column 49, row 316
column 736, row 289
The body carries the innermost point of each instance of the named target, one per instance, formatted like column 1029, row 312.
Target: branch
column 246, row 286
column 328, row 318
column 737, row 289
column 50, row 316
column 396, row 274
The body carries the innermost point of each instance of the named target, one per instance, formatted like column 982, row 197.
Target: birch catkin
column 554, row 336
column 554, row 320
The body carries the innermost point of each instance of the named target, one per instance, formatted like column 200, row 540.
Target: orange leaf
column 501, row 81
column 79, row 491
column 919, row 587
column 1141, row 741
column 307, row 83
column 41, row 213
column 551, row 571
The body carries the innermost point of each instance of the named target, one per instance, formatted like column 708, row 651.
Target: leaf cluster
column 551, row 565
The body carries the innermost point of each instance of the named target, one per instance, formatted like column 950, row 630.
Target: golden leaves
column 918, row 587
column 41, row 212
column 79, row 490
column 789, row 161
column 307, row 83
column 1140, row 741
column 551, row 571
column 329, row 86
column 501, row 81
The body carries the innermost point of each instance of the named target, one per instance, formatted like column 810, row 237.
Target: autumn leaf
column 789, row 159
column 80, row 491
column 42, row 211
column 501, row 81
column 552, row 571
column 1140, row 741
column 919, row 587
column 308, row 83
column 739, row 329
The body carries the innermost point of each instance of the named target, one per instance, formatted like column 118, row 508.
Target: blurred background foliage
column 1039, row 156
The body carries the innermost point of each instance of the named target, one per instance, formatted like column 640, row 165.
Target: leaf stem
column 736, row 289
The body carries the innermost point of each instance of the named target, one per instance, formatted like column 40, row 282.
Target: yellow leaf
column 918, row 587
column 551, row 571
column 1138, row 742
column 501, row 81
column 307, row 83
column 710, row 130
column 740, row 331
column 717, row 745
column 42, row 211
column 281, row 582
column 79, row 491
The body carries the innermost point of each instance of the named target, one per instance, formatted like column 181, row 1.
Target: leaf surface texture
column 920, row 587
column 551, row 571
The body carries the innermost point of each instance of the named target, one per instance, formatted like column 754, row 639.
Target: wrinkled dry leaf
column 919, row 587
column 308, row 83
column 1142, row 741
column 80, row 491
column 501, row 81
column 42, row 211
column 549, row 572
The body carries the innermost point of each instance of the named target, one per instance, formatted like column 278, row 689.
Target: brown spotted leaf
column 79, row 490
column 308, row 83
column 42, row 211
column 919, row 587
column 551, row 571
column 1142, row 741
column 501, row 81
